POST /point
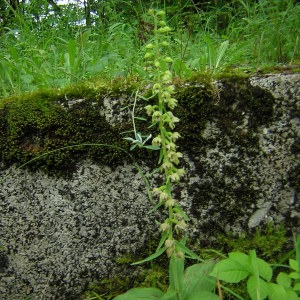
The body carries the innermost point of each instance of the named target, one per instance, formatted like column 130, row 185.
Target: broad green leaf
column 162, row 240
column 242, row 258
column 297, row 247
column 297, row 287
column 264, row 269
column 257, row 289
column 176, row 269
column 278, row 292
column 151, row 257
column 203, row 295
column 295, row 275
column 294, row 264
column 230, row 271
column 197, row 279
column 220, row 53
column 141, row 294
column 169, row 295
column 284, row 280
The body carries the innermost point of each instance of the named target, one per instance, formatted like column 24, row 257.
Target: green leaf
column 140, row 118
column 187, row 251
column 257, row 289
column 152, row 147
column 169, row 295
column 220, row 53
column 151, row 257
column 203, row 295
column 297, row 287
column 284, row 280
column 230, row 271
column 176, row 269
column 197, row 280
column 264, row 269
column 294, row 264
column 162, row 240
column 278, row 292
column 242, row 259
column 295, row 275
column 141, row 294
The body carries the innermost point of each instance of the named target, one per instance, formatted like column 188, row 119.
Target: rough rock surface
column 61, row 234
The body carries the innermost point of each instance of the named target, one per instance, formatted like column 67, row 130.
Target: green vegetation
column 46, row 44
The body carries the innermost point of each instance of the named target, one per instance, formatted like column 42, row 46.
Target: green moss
column 270, row 243
column 32, row 125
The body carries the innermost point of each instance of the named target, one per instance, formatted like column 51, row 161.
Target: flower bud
column 164, row 227
column 169, row 243
column 160, row 13
column 149, row 46
column 180, row 255
column 148, row 55
column 165, row 44
column 164, row 29
column 170, row 251
column 168, row 59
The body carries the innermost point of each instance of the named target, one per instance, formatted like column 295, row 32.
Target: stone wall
column 241, row 155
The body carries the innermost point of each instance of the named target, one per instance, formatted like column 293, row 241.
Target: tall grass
column 54, row 51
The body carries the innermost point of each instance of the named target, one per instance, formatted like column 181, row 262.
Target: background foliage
column 46, row 44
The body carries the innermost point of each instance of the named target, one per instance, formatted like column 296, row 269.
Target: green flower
column 156, row 116
column 163, row 196
column 181, row 225
column 174, row 136
column 157, row 141
column 169, row 203
column 169, row 243
column 164, row 227
column 172, row 103
column 156, row 88
column 170, row 88
column 170, row 119
column 174, row 177
column 167, row 165
column 171, row 146
column 165, row 95
column 174, row 156
column 149, row 110
column 167, row 77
